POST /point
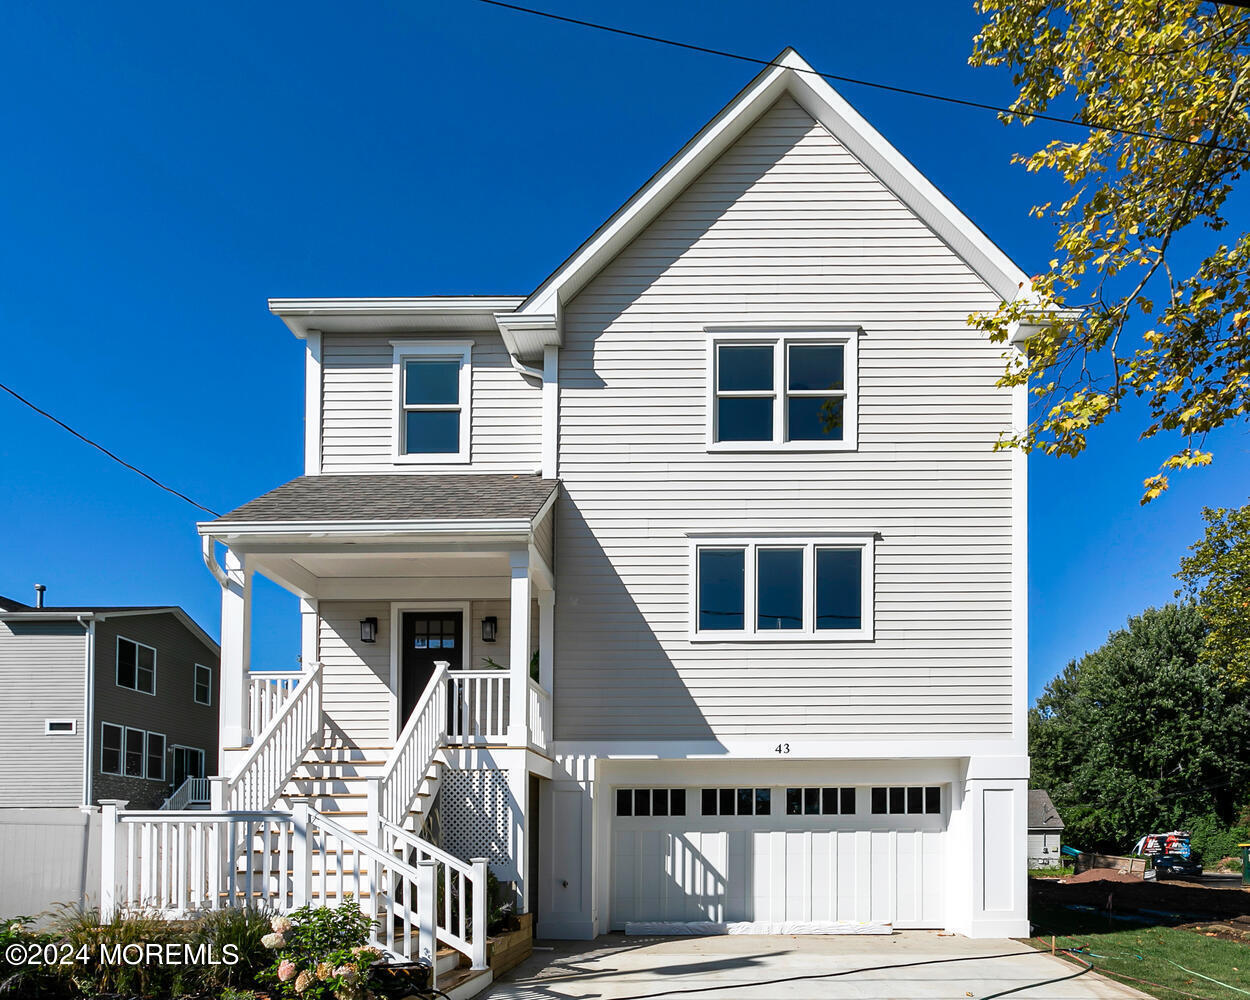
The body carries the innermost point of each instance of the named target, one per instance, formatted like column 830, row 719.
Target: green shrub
column 321, row 953
column 22, row 979
column 241, row 930
column 1214, row 840
column 94, row 974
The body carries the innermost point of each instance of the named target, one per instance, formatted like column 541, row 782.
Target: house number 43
column 782, row 748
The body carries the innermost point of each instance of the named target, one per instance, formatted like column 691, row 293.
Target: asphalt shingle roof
column 397, row 497
column 1042, row 812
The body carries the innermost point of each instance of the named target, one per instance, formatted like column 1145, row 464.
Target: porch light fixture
column 490, row 628
column 368, row 630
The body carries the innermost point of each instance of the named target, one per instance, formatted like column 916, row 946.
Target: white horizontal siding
column 358, row 407
column 786, row 227
column 356, row 687
column 42, row 674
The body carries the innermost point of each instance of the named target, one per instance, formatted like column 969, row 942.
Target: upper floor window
column 136, row 666
column 433, row 393
column 783, row 589
column 790, row 391
column 203, row 684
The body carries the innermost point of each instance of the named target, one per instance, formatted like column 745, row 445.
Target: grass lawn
column 1120, row 950
column 1051, row 872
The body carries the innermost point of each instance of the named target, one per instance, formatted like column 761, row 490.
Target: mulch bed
column 1106, row 889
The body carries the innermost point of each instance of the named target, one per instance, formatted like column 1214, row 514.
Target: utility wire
column 99, row 447
column 869, row 83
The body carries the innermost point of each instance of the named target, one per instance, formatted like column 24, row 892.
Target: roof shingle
column 1042, row 812
column 397, row 497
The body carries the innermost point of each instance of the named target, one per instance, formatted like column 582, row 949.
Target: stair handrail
column 424, row 733
column 279, row 748
column 466, row 932
column 186, row 793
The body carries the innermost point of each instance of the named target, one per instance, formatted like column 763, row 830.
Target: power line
column 99, row 447
column 927, row 95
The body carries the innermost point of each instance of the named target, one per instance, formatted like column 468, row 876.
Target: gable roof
column 1042, row 812
column 789, row 74
column 15, row 611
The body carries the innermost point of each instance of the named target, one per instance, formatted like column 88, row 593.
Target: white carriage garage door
column 780, row 854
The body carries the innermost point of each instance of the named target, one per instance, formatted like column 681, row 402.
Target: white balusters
column 267, row 691
column 539, row 715
column 278, row 750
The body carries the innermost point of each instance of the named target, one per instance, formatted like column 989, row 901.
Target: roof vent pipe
column 39, row 591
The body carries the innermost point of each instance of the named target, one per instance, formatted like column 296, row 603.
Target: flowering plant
column 321, row 953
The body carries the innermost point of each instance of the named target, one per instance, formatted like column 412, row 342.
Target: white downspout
column 210, row 560
column 529, row 371
column 88, row 704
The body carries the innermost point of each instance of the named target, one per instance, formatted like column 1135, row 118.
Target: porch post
column 546, row 638
column 236, row 656
column 310, row 622
column 519, row 651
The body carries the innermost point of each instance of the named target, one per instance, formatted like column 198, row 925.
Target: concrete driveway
column 615, row 967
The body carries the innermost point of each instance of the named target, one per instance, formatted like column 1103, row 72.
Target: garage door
column 779, row 854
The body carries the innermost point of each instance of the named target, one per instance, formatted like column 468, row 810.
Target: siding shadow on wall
column 607, row 654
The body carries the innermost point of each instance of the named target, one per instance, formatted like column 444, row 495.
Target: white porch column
column 546, row 638
column 310, row 622
column 519, row 651
column 551, row 411
column 236, row 655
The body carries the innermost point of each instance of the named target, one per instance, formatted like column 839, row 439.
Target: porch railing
column 410, row 761
column 461, row 899
column 539, row 715
column 477, row 706
column 193, row 791
column 278, row 749
column 267, row 691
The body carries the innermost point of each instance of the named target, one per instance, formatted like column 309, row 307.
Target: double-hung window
column 793, row 391
column 203, row 685
column 782, row 589
column 131, row 753
column 433, row 381
column 136, row 666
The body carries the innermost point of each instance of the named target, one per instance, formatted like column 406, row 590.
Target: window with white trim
column 110, row 748
column 136, row 666
column 903, row 799
column 433, row 397
column 820, row 801
column 63, row 727
column 783, row 589
column 203, row 692
column 736, row 801
column 156, row 757
column 651, row 802
column 791, row 391
column 131, row 753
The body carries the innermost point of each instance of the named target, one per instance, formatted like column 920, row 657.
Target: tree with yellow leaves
column 1164, row 85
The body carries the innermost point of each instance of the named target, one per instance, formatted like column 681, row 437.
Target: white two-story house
column 687, row 588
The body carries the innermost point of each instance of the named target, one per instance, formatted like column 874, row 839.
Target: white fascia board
column 793, row 75
column 345, row 315
column 526, row 335
column 273, row 529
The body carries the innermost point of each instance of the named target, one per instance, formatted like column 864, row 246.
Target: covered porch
column 404, row 581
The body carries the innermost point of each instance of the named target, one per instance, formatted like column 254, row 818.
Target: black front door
column 426, row 636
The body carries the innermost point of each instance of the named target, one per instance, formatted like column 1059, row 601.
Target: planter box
column 510, row 949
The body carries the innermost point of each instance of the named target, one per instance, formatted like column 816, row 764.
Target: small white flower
column 281, row 924
column 273, row 941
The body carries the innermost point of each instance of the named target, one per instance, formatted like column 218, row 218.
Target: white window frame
column 195, row 683
column 121, row 752
column 781, row 340
column 49, row 731
column 431, row 350
column 809, row 544
column 117, row 666
column 143, row 751
column 147, row 754
column 173, row 748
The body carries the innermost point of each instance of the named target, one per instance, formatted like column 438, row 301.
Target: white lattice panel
column 476, row 818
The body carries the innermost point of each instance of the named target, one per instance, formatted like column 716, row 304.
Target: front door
column 426, row 636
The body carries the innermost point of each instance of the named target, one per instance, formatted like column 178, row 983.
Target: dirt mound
column 1102, row 875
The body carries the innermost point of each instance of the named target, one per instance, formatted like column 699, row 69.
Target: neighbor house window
column 60, row 726
column 433, row 386
column 156, row 757
column 136, row 666
column 203, row 684
column 783, row 589
column 110, row 748
column 136, row 740
column 792, row 390
column 907, row 799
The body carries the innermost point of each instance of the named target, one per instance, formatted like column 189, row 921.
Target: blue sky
column 169, row 167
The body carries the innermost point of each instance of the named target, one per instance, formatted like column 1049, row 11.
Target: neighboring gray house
column 104, row 703
column 1045, row 831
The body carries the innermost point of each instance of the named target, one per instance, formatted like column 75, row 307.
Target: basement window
column 65, row 727
column 433, row 393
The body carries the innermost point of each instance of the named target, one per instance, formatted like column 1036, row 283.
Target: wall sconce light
column 368, row 630
column 490, row 628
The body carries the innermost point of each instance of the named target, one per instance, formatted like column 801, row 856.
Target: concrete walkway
column 615, row 967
